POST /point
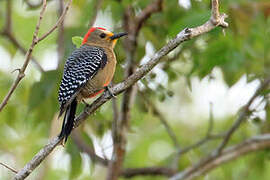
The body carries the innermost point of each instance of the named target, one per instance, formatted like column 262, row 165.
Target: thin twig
column 209, row 136
column 219, row 151
column 30, row 50
column 156, row 6
column 150, row 171
column 57, row 24
column 199, row 143
column 15, row 42
column 243, row 114
column 162, row 119
column 27, row 59
column 7, row 32
column 184, row 35
column 231, row 153
column 9, row 168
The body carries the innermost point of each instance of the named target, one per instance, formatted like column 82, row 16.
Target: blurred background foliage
column 217, row 68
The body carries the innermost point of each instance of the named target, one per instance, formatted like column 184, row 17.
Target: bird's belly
column 102, row 79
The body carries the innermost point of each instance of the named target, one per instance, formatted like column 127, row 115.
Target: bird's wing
column 81, row 66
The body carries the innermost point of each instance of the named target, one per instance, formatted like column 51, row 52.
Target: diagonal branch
column 35, row 40
column 242, row 117
column 57, row 24
column 255, row 143
column 162, row 119
column 7, row 32
column 8, row 167
column 250, row 145
column 154, row 7
column 184, row 35
column 38, row 158
column 27, row 59
column 209, row 136
column 245, row 112
column 16, row 43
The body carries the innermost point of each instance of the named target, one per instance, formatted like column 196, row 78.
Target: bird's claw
column 110, row 91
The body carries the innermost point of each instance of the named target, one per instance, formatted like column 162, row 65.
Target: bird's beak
column 118, row 35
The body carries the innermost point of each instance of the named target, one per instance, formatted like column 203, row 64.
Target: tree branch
column 253, row 144
column 57, row 24
column 182, row 36
column 8, row 167
column 27, row 59
column 162, row 119
column 199, row 143
column 208, row 136
column 38, row 158
column 150, row 171
column 219, row 151
column 7, row 32
column 154, row 7
column 35, row 40
column 243, row 114
column 15, row 42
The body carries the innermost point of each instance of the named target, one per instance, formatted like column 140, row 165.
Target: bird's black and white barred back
column 81, row 66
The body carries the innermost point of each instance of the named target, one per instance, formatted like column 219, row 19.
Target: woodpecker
column 87, row 72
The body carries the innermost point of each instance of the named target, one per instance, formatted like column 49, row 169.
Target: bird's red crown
column 89, row 32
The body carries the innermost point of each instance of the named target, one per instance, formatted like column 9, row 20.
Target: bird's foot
column 110, row 91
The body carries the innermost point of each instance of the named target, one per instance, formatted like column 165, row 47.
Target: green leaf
column 77, row 41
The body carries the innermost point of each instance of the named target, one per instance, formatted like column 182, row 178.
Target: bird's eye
column 102, row 35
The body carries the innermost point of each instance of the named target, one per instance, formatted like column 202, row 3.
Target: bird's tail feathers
column 68, row 121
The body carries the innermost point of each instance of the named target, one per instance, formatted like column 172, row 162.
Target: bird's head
column 101, row 37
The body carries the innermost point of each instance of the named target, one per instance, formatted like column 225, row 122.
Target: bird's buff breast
column 102, row 79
